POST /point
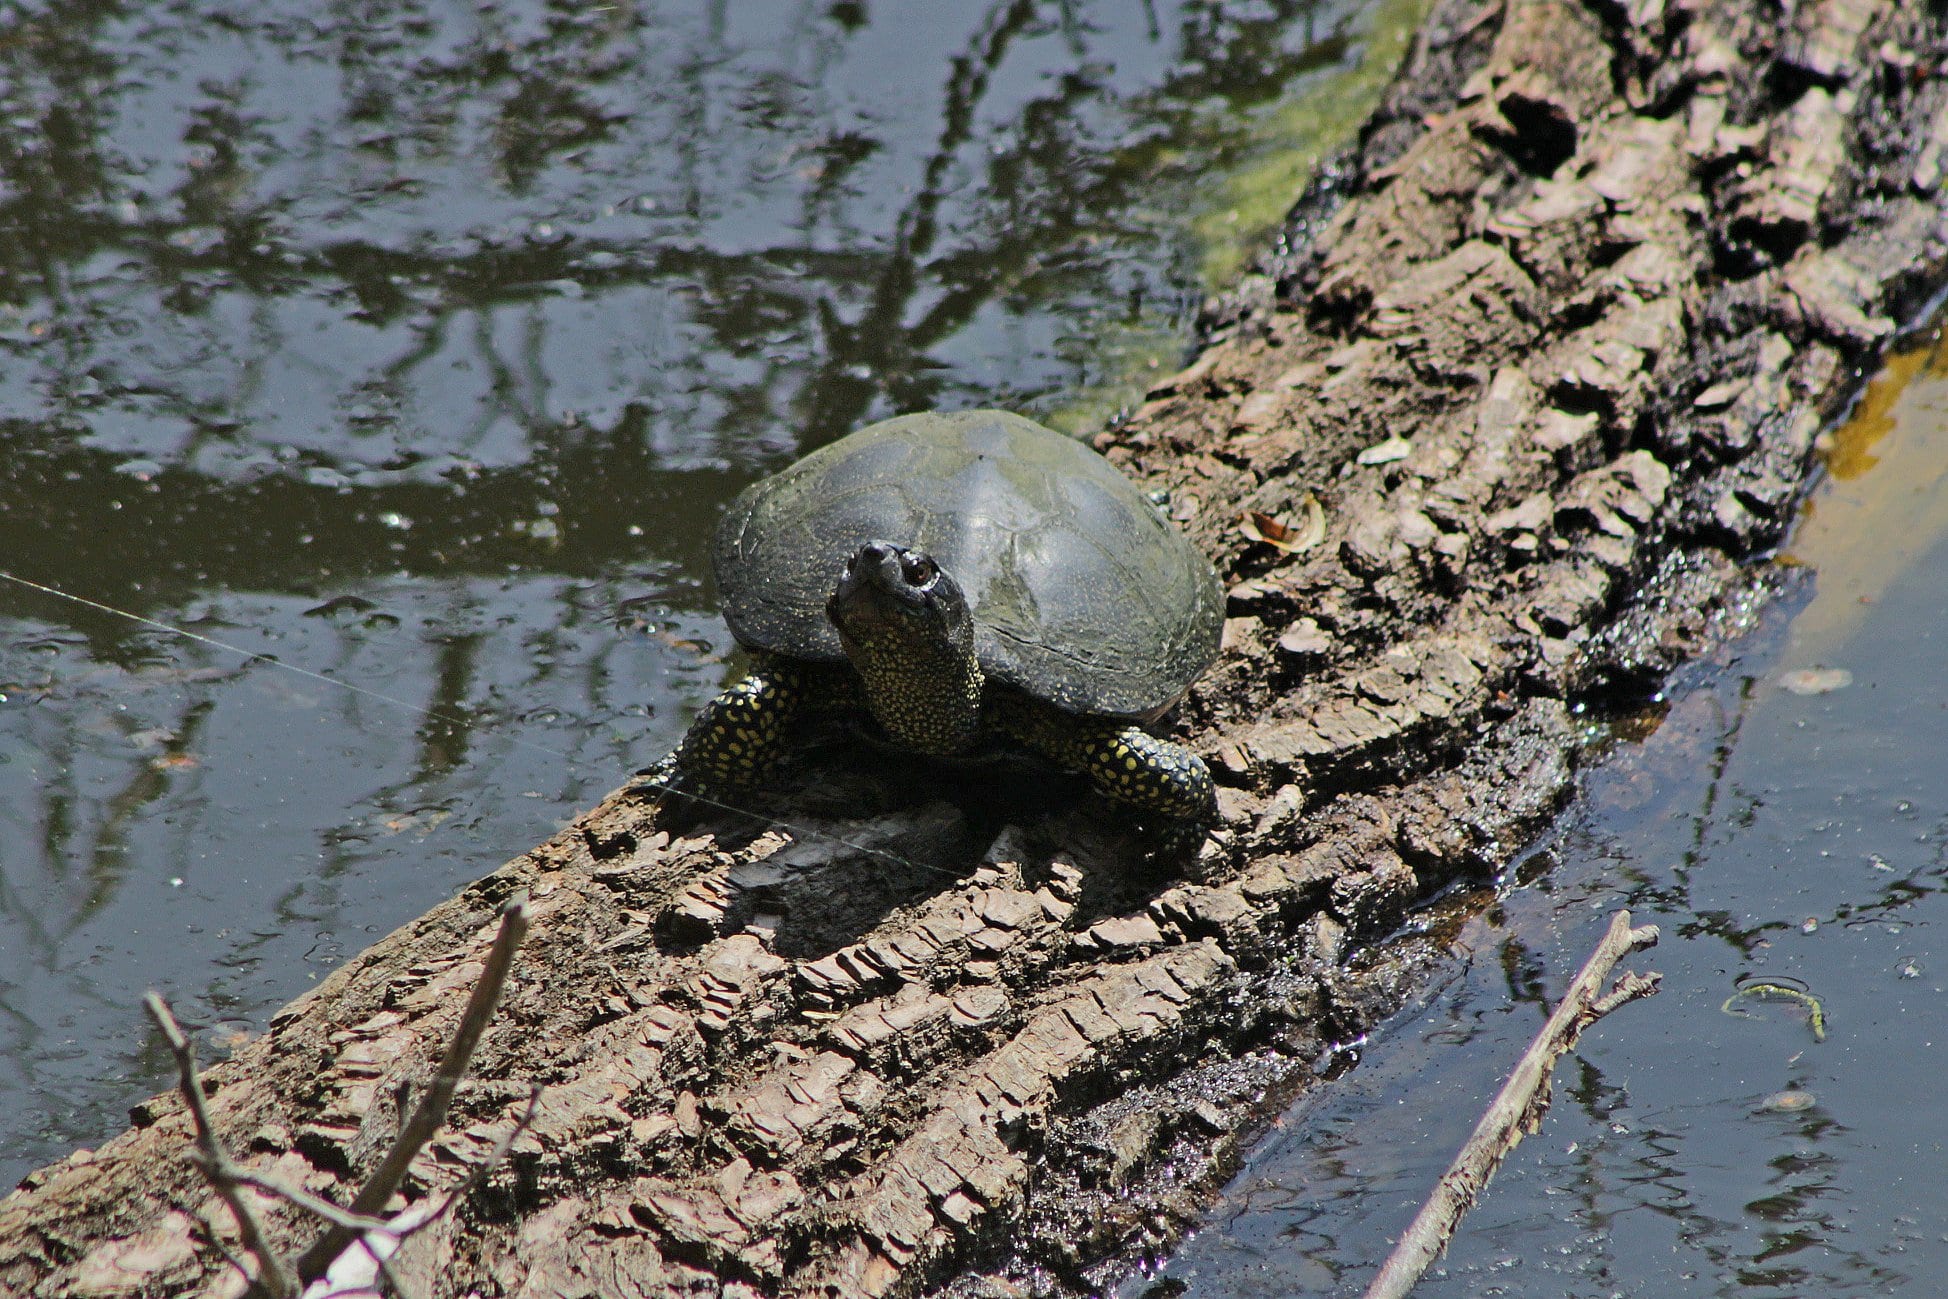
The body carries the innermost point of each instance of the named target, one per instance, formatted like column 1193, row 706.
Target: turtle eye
column 919, row 569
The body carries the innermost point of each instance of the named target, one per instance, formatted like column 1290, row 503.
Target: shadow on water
column 1784, row 820
column 418, row 347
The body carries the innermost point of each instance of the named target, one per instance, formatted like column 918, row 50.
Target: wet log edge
column 1606, row 267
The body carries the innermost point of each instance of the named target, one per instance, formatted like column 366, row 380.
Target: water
column 418, row 345
column 1786, row 820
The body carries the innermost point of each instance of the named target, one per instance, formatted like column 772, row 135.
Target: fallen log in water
column 1550, row 347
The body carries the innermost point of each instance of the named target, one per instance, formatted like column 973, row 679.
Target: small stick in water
column 1518, row 1108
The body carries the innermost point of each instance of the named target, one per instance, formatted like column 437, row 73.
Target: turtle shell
column 1082, row 594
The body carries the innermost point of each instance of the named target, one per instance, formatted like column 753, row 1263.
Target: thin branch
column 1517, row 1108
column 356, row 1226
column 315, row 1205
column 359, row 1223
column 370, row 1235
column 495, row 1157
column 273, row 1277
column 1629, row 988
column 215, row 1242
column 382, row 1262
column 430, row 1114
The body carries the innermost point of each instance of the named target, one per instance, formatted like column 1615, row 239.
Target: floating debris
column 1790, row 1101
column 1778, row 988
column 1816, row 681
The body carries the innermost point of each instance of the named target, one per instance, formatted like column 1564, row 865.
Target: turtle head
column 889, row 590
column 906, row 627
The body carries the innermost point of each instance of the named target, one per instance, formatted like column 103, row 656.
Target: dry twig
column 276, row 1278
column 430, row 1114
column 273, row 1275
column 1517, row 1108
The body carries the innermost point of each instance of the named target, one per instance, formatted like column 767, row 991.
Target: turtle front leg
column 1126, row 763
column 737, row 739
column 1135, row 768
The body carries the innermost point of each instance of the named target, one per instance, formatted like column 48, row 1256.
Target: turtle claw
column 1179, row 841
column 658, row 781
column 680, row 799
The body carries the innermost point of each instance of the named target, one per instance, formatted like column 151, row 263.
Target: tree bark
column 1552, row 344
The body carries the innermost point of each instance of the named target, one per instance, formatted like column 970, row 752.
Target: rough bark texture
column 1605, row 266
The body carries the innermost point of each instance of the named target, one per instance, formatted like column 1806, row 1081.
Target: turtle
column 951, row 580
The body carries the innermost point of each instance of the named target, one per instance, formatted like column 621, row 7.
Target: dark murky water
column 1787, row 821
column 417, row 346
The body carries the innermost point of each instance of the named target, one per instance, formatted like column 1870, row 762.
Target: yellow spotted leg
column 1125, row 762
column 739, row 736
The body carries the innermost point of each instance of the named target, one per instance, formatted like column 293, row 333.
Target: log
column 1551, row 344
